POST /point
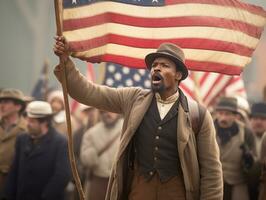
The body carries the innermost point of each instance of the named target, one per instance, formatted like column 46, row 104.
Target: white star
column 74, row 1
column 154, row 1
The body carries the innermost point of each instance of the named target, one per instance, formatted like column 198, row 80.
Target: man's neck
column 166, row 94
column 10, row 120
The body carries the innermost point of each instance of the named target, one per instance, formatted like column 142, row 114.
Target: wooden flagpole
column 58, row 4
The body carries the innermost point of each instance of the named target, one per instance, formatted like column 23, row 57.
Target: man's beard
column 158, row 87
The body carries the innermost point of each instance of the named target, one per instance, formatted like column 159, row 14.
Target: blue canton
column 118, row 76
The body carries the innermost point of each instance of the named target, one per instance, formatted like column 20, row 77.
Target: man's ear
column 178, row 76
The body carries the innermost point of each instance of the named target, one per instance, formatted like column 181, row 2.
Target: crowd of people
column 131, row 143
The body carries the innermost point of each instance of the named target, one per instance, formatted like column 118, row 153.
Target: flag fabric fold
column 216, row 35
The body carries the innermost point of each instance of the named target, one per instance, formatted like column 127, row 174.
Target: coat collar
column 19, row 128
column 40, row 147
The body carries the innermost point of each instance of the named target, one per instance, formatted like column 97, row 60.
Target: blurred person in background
column 98, row 150
column 56, row 100
column 237, row 150
column 243, row 110
column 258, row 125
column 88, row 117
column 41, row 169
column 12, row 105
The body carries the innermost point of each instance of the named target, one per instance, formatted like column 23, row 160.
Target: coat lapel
column 183, row 123
column 138, row 111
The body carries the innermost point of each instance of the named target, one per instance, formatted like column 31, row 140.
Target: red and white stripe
column 216, row 35
column 206, row 87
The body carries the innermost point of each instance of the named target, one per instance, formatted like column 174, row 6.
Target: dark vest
column 156, row 143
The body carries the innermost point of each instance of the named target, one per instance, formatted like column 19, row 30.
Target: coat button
column 157, row 137
column 160, row 128
column 151, row 173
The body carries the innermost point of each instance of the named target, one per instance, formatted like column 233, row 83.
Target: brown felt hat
column 171, row 51
column 13, row 94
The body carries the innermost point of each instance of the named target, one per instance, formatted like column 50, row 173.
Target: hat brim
column 263, row 115
column 227, row 108
column 37, row 116
column 179, row 64
column 22, row 101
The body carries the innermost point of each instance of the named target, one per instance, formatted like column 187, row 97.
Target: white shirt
column 165, row 105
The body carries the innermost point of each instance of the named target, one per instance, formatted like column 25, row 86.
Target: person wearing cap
column 159, row 156
column 12, row 104
column 258, row 125
column 237, row 148
column 56, row 100
column 41, row 169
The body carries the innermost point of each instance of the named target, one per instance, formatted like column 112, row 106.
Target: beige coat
column 199, row 157
column 7, row 148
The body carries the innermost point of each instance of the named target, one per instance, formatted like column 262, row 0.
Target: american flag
column 118, row 76
column 40, row 90
column 216, row 35
column 205, row 87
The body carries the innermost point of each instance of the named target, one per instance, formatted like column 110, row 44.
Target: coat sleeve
column 99, row 96
column 62, row 172
column 10, row 189
column 211, row 183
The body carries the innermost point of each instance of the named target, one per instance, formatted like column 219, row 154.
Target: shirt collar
column 169, row 100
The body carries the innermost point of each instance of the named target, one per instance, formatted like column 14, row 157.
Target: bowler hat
column 13, row 94
column 39, row 109
column 258, row 110
column 227, row 103
column 171, row 51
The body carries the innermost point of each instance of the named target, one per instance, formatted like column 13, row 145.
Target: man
column 159, row 155
column 12, row 104
column 258, row 123
column 88, row 117
column 236, row 144
column 99, row 145
column 41, row 168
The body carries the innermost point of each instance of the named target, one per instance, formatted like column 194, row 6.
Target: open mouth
column 156, row 79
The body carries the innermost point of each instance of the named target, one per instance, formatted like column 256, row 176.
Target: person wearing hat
column 12, row 104
column 237, row 148
column 41, row 169
column 161, row 155
column 258, row 125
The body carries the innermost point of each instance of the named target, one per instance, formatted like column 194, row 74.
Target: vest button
column 156, row 148
column 151, row 173
column 157, row 137
column 155, row 158
column 160, row 128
